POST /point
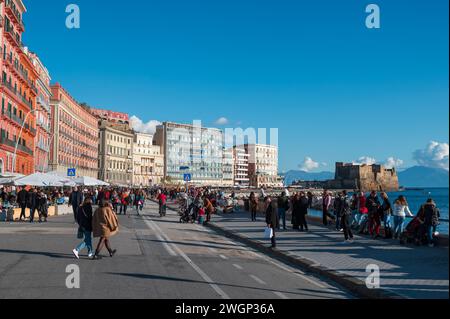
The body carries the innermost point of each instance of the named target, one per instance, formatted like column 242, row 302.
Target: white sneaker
column 75, row 252
column 350, row 241
column 91, row 255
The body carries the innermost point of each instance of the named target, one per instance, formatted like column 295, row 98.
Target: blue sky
column 336, row 90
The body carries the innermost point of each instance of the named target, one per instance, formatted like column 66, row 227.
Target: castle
column 364, row 177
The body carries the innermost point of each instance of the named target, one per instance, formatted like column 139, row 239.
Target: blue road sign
column 72, row 172
column 187, row 177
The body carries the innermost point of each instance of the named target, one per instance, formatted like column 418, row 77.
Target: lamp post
column 18, row 139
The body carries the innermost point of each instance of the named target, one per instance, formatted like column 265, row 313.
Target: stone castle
column 364, row 177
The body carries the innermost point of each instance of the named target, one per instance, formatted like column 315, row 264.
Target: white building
column 240, row 157
column 228, row 167
column 263, row 165
column 148, row 161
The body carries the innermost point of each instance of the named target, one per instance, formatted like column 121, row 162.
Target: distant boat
column 414, row 189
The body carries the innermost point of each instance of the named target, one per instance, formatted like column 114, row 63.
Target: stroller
column 189, row 215
column 415, row 233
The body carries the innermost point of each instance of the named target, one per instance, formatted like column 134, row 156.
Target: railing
column 8, row 142
column 14, row 91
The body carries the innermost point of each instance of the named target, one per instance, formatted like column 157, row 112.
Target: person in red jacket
column 162, row 198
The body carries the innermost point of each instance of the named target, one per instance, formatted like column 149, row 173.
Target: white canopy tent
column 44, row 180
column 8, row 179
column 89, row 181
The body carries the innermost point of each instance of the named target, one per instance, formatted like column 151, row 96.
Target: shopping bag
column 268, row 233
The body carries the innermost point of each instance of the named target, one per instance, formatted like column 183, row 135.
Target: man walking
column 32, row 203
column 22, row 201
column 283, row 206
column 345, row 213
column 373, row 205
column 75, row 200
column 272, row 220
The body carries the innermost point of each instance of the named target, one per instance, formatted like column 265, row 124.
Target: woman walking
column 401, row 209
column 272, row 219
column 104, row 226
column 84, row 220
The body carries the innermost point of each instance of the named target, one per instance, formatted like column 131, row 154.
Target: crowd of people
column 355, row 214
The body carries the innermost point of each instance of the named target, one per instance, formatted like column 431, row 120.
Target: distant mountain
column 420, row 176
column 293, row 175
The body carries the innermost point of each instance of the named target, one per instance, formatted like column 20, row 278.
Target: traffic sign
column 72, row 172
column 187, row 177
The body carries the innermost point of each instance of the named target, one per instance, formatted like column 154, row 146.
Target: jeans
column 387, row 221
column 363, row 222
column 86, row 243
column 356, row 216
column 338, row 221
column 282, row 217
column 346, row 226
column 429, row 232
column 399, row 224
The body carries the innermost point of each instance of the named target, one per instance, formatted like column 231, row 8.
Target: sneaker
column 431, row 245
column 91, row 255
column 345, row 242
column 351, row 241
column 75, row 252
column 113, row 253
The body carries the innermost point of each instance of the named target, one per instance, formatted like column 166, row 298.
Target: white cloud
column 392, row 162
column 221, row 121
column 308, row 164
column 138, row 125
column 365, row 160
column 434, row 155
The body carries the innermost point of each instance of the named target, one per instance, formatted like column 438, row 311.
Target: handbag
column 268, row 233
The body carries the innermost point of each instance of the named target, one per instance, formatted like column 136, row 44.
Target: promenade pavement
column 408, row 271
column 156, row 258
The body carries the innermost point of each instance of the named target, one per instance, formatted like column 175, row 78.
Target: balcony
column 14, row 14
column 13, row 37
column 20, row 147
column 20, row 98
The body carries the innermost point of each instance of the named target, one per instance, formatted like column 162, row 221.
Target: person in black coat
column 22, row 197
column 75, row 200
column 84, row 220
column 32, row 203
column 302, row 207
column 272, row 219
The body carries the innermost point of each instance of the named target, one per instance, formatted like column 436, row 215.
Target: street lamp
column 18, row 139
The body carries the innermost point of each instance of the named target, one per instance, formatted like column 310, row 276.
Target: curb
column 353, row 285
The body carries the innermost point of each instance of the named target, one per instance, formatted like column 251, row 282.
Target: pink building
column 43, row 135
column 76, row 135
column 110, row 116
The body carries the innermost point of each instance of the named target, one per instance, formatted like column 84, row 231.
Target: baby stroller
column 189, row 215
column 415, row 233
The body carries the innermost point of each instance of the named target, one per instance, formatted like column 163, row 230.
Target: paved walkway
column 412, row 272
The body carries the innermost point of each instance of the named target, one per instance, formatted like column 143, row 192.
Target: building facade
column 18, row 93
column 148, row 161
column 263, row 165
column 228, row 167
column 116, row 153
column 192, row 150
column 240, row 157
column 76, row 138
column 43, row 116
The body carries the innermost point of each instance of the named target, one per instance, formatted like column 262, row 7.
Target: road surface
column 158, row 258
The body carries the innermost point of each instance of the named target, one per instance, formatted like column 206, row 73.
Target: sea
column 417, row 197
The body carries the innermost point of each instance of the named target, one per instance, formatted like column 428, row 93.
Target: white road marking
column 258, row 280
column 223, row 257
column 279, row 294
column 193, row 265
column 237, row 266
column 213, row 250
column 159, row 237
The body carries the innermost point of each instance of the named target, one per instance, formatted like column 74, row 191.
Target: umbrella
column 89, row 181
column 8, row 179
column 43, row 180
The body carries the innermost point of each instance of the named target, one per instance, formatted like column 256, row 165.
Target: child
column 201, row 216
